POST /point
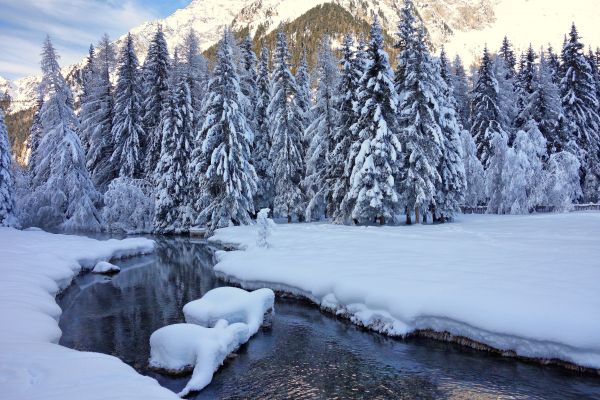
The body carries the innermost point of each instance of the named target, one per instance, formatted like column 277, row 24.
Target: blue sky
column 72, row 24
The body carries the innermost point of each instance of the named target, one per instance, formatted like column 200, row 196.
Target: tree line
column 173, row 144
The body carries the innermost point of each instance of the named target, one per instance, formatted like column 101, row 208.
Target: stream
column 306, row 355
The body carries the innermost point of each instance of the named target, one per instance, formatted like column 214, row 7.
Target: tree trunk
column 289, row 219
column 381, row 220
column 417, row 215
column 408, row 220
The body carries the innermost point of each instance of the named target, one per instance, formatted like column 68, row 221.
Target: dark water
column 306, row 354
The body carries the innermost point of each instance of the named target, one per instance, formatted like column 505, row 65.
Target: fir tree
column 127, row 128
column 262, row 140
column 97, row 118
column 156, row 98
column 172, row 171
column 230, row 176
column 249, row 79
column 475, row 179
column 195, row 71
column 64, row 195
column 287, row 126
column 580, row 106
column 407, row 32
column 495, row 176
column 303, row 85
column 525, row 85
column 460, row 88
column 321, row 131
column 345, row 141
column 554, row 66
column 87, row 91
column 507, row 55
column 7, row 196
column 485, row 120
column 376, row 166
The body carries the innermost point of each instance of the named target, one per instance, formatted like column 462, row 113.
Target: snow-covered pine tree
column 249, row 80
column 287, row 126
column 97, row 117
column 155, row 87
column 525, row 85
column 64, row 195
column 451, row 191
column 495, row 176
column 595, row 71
column 172, row 214
column 421, row 134
column 460, row 88
column 580, row 106
column 407, row 32
column 345, row 141
column 507, row 99
column 485, row 117
column 35, row 135
column 127, row 130
column 195, row 70
column 230, row 176
column 554, row 66
column 322, row 132
column 7, row 196
column 475, row 179
column 87, row 90
column 303, row 96
column 507, row 54
column 262, row 140
column 544, row 107
column 376, row 166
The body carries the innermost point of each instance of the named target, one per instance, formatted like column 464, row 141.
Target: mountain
column 463, row 26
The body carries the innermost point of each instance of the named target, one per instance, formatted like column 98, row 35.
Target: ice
column 34, row 266
column 180, row 347
column 233, row 305
column 521, row 283
column 104, row 267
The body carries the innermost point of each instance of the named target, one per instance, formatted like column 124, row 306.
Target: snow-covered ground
column 529, row 284
column 34, row 266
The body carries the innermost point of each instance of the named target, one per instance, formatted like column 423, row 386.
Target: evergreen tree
column 376, row 166
column 303, row 85
column 554, row 66
column 262, row 141
column 507, row 55
column 87, row 89
column 64, row 195
column 35, row 135
column 407, row 32
column 7, row 197
column 422, row 137
column 321, row 131
column 507, row 97
column 195, row 71
column 127, row 128
column 346, row 143
column 156, row 98
column 97, row 118
column 580, row 106
column 495, row 176
column 485, row 119
column 249, row 80
column 460, row 88
column 525, row 85
column 286, row 122
column 172, row 171
column 475, row 179
column 230, row 176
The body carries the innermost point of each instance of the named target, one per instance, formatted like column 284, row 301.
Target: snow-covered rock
column 181, row 347
column 527, row 284
column 233, row 305
column 104, row 267
column 34, row 266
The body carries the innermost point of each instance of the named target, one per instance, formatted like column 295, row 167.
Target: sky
column 72, row 25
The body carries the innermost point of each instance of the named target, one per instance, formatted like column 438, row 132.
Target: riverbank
column 522, row 286
column 34, row 267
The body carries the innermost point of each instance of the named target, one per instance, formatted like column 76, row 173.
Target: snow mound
column 233, row 305
column 104, row 267
column 180, row 347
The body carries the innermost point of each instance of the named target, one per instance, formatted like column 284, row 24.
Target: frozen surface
column 34, row 266
column 177, row 348
column 233, row 305
column 522, row 283
column 104, row 267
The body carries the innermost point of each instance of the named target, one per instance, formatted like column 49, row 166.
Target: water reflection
column 306, row 355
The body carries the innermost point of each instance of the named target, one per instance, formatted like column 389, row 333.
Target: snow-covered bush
column 562, row 181
column 263, row 224
column 129, row 206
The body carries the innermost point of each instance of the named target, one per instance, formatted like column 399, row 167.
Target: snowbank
column 104, row 267
column 525, row 284
column 233, row 305
column 180, row 347
column 34, row 266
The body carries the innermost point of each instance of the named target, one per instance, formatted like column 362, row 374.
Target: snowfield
column 34, row 266
column 527, row 284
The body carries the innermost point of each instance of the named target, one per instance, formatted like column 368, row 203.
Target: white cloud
column 72, row 24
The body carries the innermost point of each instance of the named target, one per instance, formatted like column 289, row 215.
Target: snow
column 177, row 348
column 34, row 266
column 104, row 267
column 233, row 305
column 521, row 283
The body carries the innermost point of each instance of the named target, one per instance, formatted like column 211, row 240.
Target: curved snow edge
column 432, row 327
